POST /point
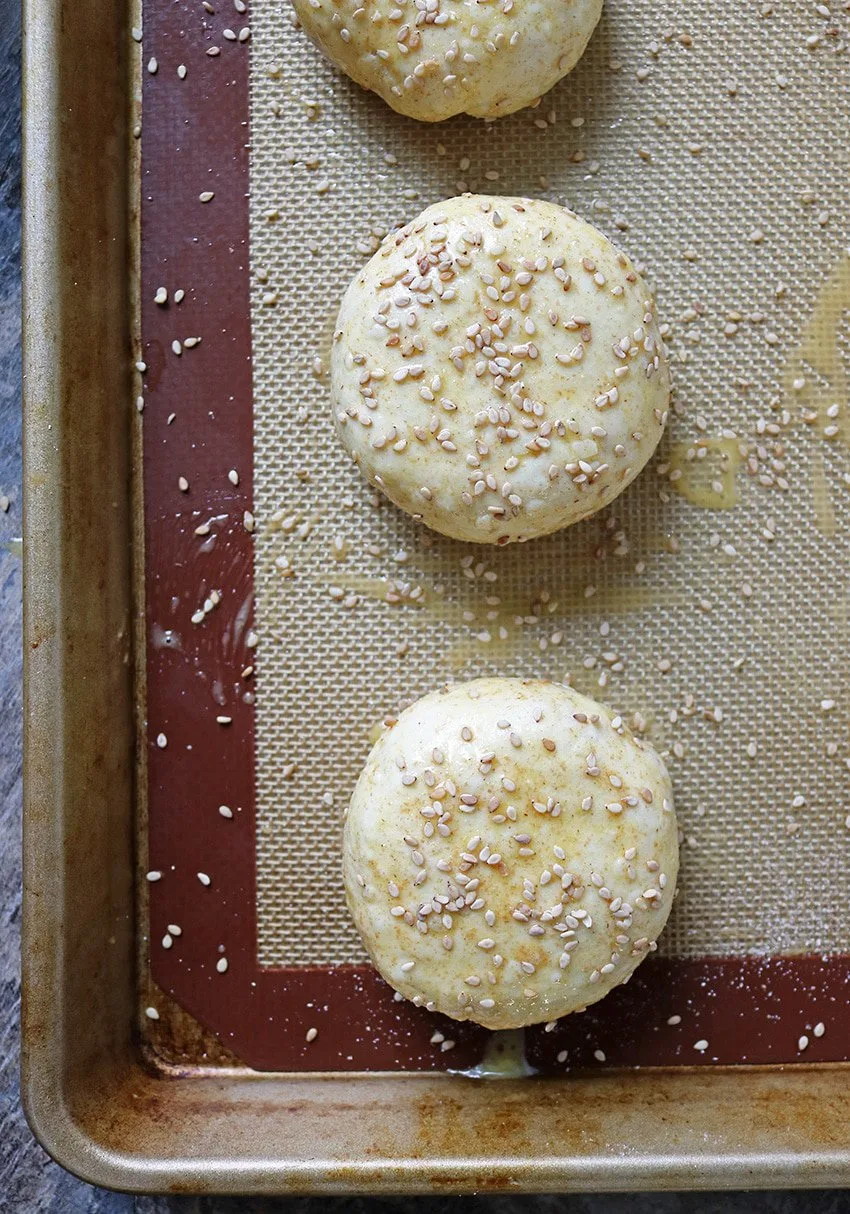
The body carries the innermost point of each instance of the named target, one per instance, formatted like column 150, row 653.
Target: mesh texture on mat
column 724, row 173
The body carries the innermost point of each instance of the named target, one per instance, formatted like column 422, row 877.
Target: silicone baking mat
column 290, row 611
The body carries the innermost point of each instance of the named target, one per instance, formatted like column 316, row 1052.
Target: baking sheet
column 167, row 1109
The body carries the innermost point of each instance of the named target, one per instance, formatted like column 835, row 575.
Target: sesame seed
column 311, row 1035
column 151, row 1013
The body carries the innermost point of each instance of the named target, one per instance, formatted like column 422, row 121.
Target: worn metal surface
column 90, row 1098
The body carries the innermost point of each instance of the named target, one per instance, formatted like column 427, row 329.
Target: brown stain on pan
column 505, row 1122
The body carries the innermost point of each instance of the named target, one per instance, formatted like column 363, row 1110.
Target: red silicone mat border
column 198, row 426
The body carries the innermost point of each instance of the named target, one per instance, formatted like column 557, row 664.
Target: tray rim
column 90, row 1097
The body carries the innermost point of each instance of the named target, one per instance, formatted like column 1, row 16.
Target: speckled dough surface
column 497, row 369
column 510, row 852
column 431, row 59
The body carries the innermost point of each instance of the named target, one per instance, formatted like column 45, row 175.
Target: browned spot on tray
column 501, row 1112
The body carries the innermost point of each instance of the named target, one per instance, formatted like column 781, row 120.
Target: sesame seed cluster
column 431, row 59
column 497, row 369
column 511, row 852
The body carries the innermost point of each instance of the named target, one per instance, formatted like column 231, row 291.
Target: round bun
column 431, row 60
column 497, row 369
column 510, row 852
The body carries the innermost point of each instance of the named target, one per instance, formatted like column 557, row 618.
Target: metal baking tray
column 192, row 1118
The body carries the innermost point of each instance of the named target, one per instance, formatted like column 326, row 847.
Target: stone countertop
column 29, row 1181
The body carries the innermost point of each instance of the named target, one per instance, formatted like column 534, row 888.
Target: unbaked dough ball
column 431, row 59
column 510, row 852
column 497, row 369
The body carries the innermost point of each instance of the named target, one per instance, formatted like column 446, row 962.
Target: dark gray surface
column 29, row 1181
